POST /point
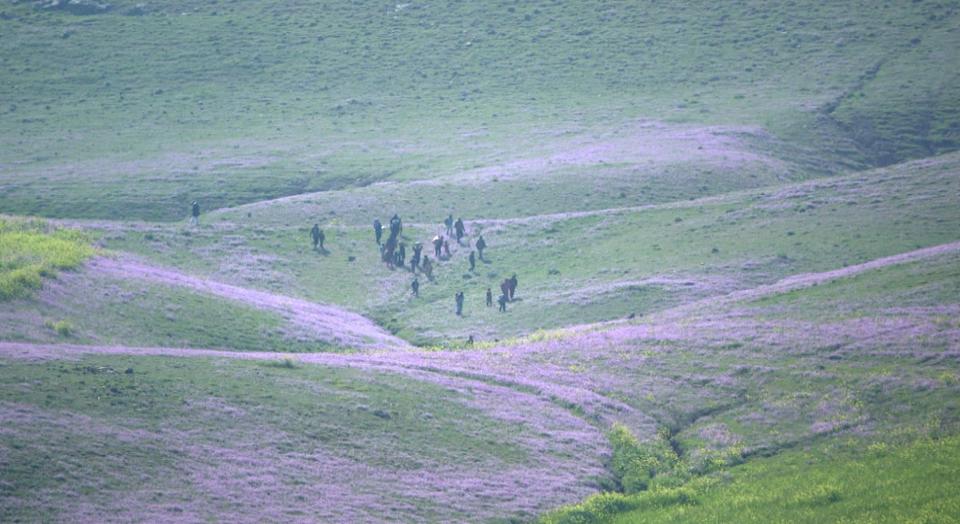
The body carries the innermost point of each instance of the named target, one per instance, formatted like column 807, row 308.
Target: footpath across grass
column 31, row 250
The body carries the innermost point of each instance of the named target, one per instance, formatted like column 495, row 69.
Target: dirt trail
column 421, row 365
column 328, row 323
column 791, row 283
column 805, row 280
column 426, row 365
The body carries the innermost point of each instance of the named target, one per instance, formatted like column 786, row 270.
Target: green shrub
column 636, row 464
column 31, row 250
column 64, row 328
column 603, row 507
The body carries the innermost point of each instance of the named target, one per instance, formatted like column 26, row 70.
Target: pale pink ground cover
column 327, row 323
column 245, row 476
column 566, row 391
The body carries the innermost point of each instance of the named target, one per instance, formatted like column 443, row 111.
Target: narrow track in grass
column 328, row 323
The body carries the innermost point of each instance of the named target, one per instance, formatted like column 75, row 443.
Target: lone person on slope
column 318, row 237
column 195, row 213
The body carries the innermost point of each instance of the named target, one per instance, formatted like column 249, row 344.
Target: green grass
column 582, row 269
column 116, row 116
column 109, row 428
column 31, row 251
column 925, row 284
column 883, row 483
column 108, row 310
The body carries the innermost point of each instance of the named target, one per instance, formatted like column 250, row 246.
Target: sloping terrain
column 734, row 229
column 136, row 111
column 784, row 383
column 573, row 267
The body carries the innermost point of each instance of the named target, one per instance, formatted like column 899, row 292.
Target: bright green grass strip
column 912, row 483
column 29, row 251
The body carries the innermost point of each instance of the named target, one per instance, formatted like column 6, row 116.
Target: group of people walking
column 393, row 252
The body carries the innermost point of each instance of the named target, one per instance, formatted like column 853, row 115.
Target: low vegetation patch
column 905, row 483
column 31, row 250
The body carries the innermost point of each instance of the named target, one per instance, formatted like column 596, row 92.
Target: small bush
column 636, row 463
column 286, row 363
column 64, row 328
column 819, row 495
column 31, row 250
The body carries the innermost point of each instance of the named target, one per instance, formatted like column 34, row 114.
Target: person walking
column 378, row 229
column 458, row 225
column 195, row 213
column 415, row 261
column 437, row 246
column 427, row 268
column 513, row 286
column 473, row 261
column 503, row 303
column 448, row 223
column 415, row 287
column 489, row 298
column 459, row 299
column 317, row 236
column 481, row 245
column 446, row 248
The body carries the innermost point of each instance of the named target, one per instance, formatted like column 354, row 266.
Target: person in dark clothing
column 473, row 261
column 481, row 245
column 489, row 297
column 458, row 225
column 427, row 268
column 317, row 236
column 503, row 303
column 470, row 341
column 402, row 255
column 195, row 213
column 513, row 286
column 505, row 288
column 446, row 248
column 389, row 251
column 437, row 246
column 378, row 230
column 448, row 223
column 459, row 298
column 396, row 225
column 415, row 286
column 415, row 261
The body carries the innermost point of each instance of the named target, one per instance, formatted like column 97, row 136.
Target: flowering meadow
column 578, row 262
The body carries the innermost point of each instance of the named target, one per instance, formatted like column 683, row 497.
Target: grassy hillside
column 194, row 439
column 572, row 268
column 93, row 308
column 904, row 483
column 734, row 227
column 136, row 112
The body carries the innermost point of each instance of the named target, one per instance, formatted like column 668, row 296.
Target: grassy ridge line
column 31, row 250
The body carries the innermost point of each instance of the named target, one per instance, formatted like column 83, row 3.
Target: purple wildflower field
column 721, row 374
